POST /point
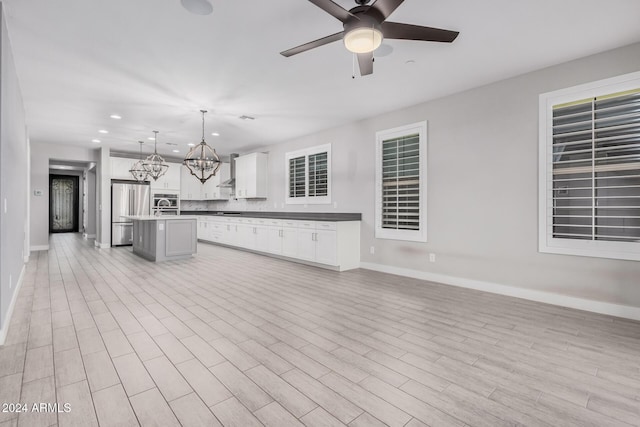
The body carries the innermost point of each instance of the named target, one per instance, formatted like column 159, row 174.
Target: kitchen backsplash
column 231, row 205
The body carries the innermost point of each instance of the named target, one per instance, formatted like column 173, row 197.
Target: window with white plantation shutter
column 318, row 175
column 297, row 184
column 401, row 161
column 591, row 156
column 308, row 177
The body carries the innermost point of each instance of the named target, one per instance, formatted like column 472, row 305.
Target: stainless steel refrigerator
column 127, row 199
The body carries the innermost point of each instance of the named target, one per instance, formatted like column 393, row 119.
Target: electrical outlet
column 335, row 205
column 372, row 250
column 432, row 257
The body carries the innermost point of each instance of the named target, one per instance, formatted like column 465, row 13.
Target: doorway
column 63, row 203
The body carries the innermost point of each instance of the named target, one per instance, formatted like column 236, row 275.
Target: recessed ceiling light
column 176, row 151
column 215, row 134
column 245, row 117
column 103, row 131
column 115, row 116
column 191, row 144
column 150, row 138
column 410, row 62
column 97, row 141
column 198, row 7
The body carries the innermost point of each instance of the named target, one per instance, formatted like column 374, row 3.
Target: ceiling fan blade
column 334, row 10
column 386, row 7
column 395, row 30
column 365, row 61
column 311, row 45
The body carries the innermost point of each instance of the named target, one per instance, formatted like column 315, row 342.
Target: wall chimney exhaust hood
column 231, row 182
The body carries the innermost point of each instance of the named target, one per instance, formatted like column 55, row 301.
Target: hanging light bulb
column 138, row 170
column 155, row 164
column 202, row 161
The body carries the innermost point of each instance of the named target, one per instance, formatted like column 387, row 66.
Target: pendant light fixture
column 138, row 171
column 155, row 164
column 202, row 161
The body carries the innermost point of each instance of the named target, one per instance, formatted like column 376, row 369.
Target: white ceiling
column 79, row 61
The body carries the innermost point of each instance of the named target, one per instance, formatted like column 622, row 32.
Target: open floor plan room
column 319, row 213
column 125, row 341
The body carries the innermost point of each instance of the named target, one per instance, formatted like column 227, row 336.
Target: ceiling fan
column 364, row 28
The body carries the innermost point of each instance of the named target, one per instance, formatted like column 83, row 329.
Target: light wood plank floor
column 238, row 339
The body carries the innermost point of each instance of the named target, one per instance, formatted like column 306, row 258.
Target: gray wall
column 482, row 186
column 13, row 176
column 41, row 154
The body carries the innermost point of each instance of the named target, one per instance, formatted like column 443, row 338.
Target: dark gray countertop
column 309, row 216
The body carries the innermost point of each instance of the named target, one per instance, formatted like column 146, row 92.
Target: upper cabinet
column 120, row 167
column 170, row 180
column 192, row 189
column 251, row 176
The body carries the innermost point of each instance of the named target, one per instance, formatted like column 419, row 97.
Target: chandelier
column 202, row 161
column 138, row 170
column 155, row 164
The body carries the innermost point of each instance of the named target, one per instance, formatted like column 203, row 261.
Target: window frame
column 405, row 235
column 306, row 152
column 546, row 242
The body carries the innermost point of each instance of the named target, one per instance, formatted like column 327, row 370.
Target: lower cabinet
column 334, row 244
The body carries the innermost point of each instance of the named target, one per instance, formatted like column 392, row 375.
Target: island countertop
column 159, row 218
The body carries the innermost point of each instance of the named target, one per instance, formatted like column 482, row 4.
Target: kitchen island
column 164, row 238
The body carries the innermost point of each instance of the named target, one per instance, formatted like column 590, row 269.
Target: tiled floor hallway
column 239, row 339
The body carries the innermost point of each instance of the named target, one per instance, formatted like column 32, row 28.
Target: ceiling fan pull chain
column 353, row 67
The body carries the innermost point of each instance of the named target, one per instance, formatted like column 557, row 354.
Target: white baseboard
column 101, row 245
column 618, row 310
column 5, row 324
column 88, row 236
column 39, row 248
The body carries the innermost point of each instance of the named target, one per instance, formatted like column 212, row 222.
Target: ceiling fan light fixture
column 363, row 39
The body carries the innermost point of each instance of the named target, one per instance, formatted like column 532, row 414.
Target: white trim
column 7, row 321
column 406, row 235
column 611, row 309
column 39, row 248
column 88, row 236
column 547, row 243
column 306, row 152
column 101, row 245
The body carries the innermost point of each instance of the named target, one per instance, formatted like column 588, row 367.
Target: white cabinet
column 120, row 167
column 190, row 186
column 192, row 189
column 290, row 239
column 326, row 247
column 324, row 243
column 169, row 181
column 251, row 176
column 306, row 244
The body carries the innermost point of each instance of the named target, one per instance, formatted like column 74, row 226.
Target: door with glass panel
column 63, row 203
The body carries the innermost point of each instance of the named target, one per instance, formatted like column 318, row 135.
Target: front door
column 63, row 203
